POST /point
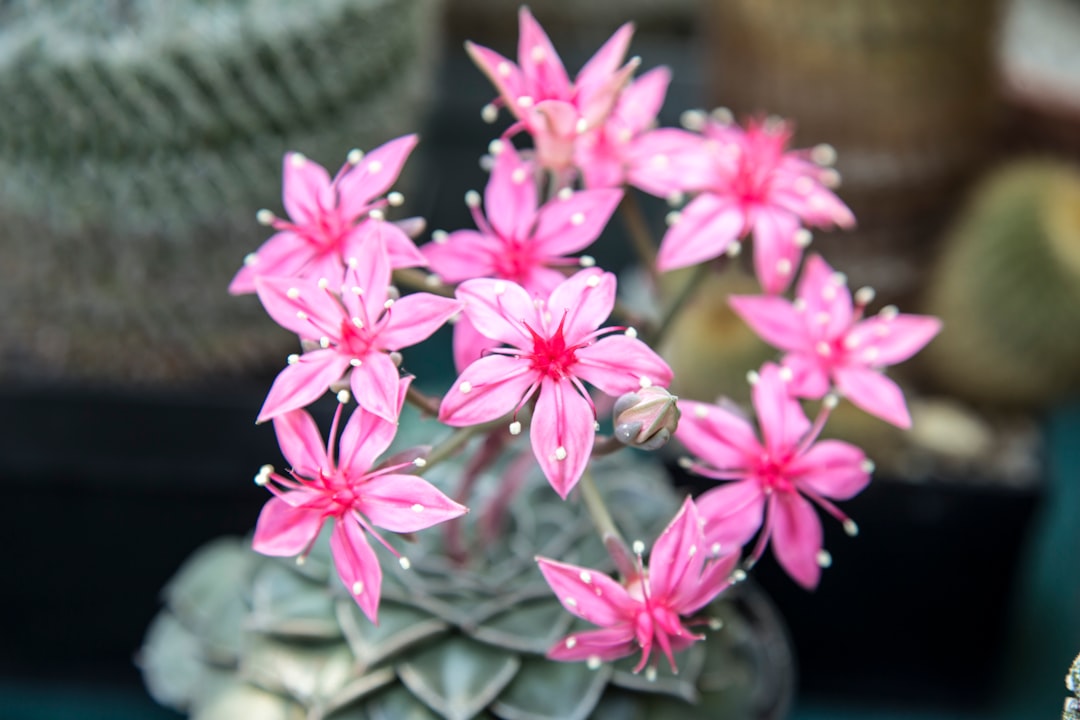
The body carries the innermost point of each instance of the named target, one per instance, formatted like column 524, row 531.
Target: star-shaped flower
column 554, row 346
column 827, row 342
column 773, row 477
column 538, row 92
column 518, row 240
column 646, row 609
column 349, row 492
column 357, row 326
column 748, row 182
column 329, row 219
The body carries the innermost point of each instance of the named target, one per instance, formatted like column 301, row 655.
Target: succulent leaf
column 458, row 678
column 399, row 628
column 284, row 602
column 530, row 627
column 533, row 696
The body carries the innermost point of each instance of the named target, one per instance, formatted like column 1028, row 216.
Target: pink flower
column 773, row 477
column 606, row 156
column 827, row 342
column 644, row 611
column 330, row 219
column 554, row 345
column 347, row 491
column 747, row 182
column 538, row 92
column 517, row 241
column 356, row 329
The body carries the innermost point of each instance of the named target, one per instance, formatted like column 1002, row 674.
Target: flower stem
column 598, row 511
column 697, row 276
column 640, row 236
column 417, row 280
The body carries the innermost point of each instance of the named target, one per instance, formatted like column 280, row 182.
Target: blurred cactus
column 1008, row 290
column 262, row 638
column 138, row 139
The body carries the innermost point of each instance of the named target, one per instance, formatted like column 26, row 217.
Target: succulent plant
column 1007, row 287
column 267, row 639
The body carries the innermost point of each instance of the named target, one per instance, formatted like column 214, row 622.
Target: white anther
column 250, row 259
column 686, row 463
column 465, row 387
column 693, row 119
column 489, row 113
column 864, row 296
column 525, row 101
column 734, row 249
column 353, row 263
column 537, row 54
column 786, row 374
column 888, row 312
column 571, row 642
column 292, row 359
column 650, row 673
column 419, row 462
column 585, row 576
column 752, row 377
column 638, row 547
column 838, row 279
column 830, row 178
column 867, row 466
column 404, row 563
column 715, row 549
column 519, row 176
column 433, row 281
column 722, row 115
column 374, row 166
column 692, row 551
column 824, row 559
column 496, row 146
column 581, row 126
column 499, row 287
column 439, row 237
column 823, row 154
column 265, row 217
column 358, row 588
column 472, row 199
column 715, row 624
column 783, row 266
column 418, row 508
column 830, row 401
column 323, row 283
column 676, row 198
column 702, row 411
column 263, row 476
column 301, row 559
column 376, row 214
column 388, row 304
column 803, row 238
column 343, row 397
column 577, row 218
column 565, row 194
column 672, row 217
column 594, row 662
column 592, row 281
column 297, row 159
column 503, row 68
column 630, row 333
column 644, row 382
column 355, row 156
column 515, row 428
column 738, row 575
column 324, row 342
column 560, row 453
column 301, row 315
column 395, row 199
column 587, row 261
column 570, row 601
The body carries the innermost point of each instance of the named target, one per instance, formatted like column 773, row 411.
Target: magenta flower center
column 772, row 473
column 551, row 356
column 516, row 262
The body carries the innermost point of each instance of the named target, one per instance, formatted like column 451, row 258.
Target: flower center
column 551, row 356
column 516, row 262
column 773, row 474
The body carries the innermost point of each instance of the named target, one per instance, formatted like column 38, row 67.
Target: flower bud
column 646, row 419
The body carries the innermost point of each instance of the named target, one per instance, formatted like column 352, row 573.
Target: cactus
column 261, row 638
column 1007, row 287
column 137, row 142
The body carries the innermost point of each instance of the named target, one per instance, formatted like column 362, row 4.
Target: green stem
column 598, row 511
column 671, row 314
column 417, row 280
column 640, row 236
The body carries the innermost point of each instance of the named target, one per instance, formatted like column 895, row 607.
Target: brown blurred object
column 905, row 91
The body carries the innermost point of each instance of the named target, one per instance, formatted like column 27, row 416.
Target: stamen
column 395, row 199
column 355, row 156
column 344, row 397
column 265, row 217
column 489, row 113
column 297, row 159
column 824, row 559
column 404, row 563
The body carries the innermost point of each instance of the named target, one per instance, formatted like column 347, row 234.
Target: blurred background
column 139, row 137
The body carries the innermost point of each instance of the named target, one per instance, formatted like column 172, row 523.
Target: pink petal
column 642, row 99
column 562, row 432
column 581, row 303
column 498, row 309
column 510, row 196
column 374, row 175
column 714, row 580
column 668, row 160
column 874, row 393
column 366, row 284
column 462, row 255
column 570, row 225
column 733, row 513
column 607, row 645
column 488, row 389
column 831, row 468
column 413, row 318
column 503, row 74
column 553, row 124
column 588, row 594
column 705, row 230
column 301, row 443
column 540, row 64
column 617, row 364
column 809, row 375
column 678, row 556
column 718, row 436
column 365, row 437
column 284, row 530
column 405, row 503
column 796, row 538
column 887, row 340
column 469, row 344
column 827, row 300
column 306, row 191
column 284, row 255
column 357, row 565
column 782, row 420
column 607, row 59
column 303, row 382
column 776, row 255
column 774, row 319
column 375, row 385
column 301, row 306
column 400, row 248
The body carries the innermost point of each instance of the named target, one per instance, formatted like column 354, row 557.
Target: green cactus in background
column 137, row 141
column 1007, row 287
column 262, row 638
